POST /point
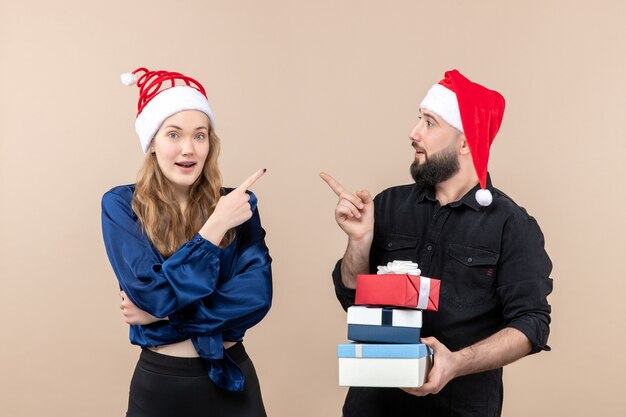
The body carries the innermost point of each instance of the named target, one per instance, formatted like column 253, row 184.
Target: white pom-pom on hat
column 484, row 197
column 128, row 79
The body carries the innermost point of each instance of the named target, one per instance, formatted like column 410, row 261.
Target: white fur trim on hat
column 443, row 102
column 165, row 104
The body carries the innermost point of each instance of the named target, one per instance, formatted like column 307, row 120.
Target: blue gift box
column 383, row 334
column 384, row 325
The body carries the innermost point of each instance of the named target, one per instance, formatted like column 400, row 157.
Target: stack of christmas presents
column 385, row 325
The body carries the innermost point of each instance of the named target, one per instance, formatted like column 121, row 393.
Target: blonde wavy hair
column 154, row 202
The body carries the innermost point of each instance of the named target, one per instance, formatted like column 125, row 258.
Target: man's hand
column 354, row 213
column 133, row 314
column 496, row 351
column 445, row 365
column 355, row 216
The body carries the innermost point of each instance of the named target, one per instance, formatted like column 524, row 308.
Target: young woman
column 190, row 258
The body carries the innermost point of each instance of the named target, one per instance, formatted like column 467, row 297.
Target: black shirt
column 493, row 269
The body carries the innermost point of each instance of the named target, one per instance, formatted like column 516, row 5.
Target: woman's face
column 181, row 146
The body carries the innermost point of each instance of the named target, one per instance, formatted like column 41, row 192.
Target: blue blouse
column 210, row 294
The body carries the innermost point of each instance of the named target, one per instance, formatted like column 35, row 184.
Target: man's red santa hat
column 474, row 110
column 161, row 95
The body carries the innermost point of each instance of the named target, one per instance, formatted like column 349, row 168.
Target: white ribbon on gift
column 358, row 351
column 400, row 267
column 422, row 301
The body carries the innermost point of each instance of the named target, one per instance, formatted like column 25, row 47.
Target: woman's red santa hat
column 160, row 97
column 474, row 110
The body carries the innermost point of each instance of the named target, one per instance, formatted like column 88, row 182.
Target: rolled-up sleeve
column 524, row 280
column 344, row 295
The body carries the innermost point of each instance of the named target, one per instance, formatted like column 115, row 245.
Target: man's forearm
column 496, row 351
column 355, row 261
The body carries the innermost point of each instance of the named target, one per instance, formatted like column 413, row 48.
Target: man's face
column 435, row 144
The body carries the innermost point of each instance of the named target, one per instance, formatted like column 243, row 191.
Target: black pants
column 169, row 386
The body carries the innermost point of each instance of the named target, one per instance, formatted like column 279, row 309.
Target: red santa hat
column 160, row 97
column 474, row 110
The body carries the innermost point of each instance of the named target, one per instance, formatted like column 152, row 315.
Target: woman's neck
column 182, row 196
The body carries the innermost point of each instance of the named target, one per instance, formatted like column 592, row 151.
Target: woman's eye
column 172, row 135
column 200, row 136
column 429, row 123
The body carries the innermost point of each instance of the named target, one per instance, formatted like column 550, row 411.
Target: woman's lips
column 185, row 166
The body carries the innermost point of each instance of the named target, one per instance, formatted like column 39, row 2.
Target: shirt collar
column 469, row 199
column 424, row 192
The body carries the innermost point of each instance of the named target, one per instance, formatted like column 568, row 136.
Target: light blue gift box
column 383, row 365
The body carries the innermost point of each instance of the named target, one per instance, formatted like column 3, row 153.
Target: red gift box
column 399, row 290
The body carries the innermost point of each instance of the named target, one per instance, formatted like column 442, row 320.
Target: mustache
column 417, row 147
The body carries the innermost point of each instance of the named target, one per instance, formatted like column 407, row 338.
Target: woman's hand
column 231, row 210
column 133, row 314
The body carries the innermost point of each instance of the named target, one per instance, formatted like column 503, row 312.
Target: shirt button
column 469, row 260
column 429, row 247
column 389, row 244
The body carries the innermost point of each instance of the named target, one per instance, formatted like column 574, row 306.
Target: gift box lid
column 379, row 316
column 360, row 350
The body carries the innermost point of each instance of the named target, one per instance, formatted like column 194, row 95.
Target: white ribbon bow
column 400, row 267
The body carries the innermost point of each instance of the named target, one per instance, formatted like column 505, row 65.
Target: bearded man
column 487, row 251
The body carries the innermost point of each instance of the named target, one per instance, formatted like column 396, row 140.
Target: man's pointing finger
column 332, row 183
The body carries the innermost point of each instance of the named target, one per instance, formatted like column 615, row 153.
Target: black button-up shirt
column 493, row 269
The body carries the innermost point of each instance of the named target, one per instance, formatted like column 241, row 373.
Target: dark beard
column 436, row 168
